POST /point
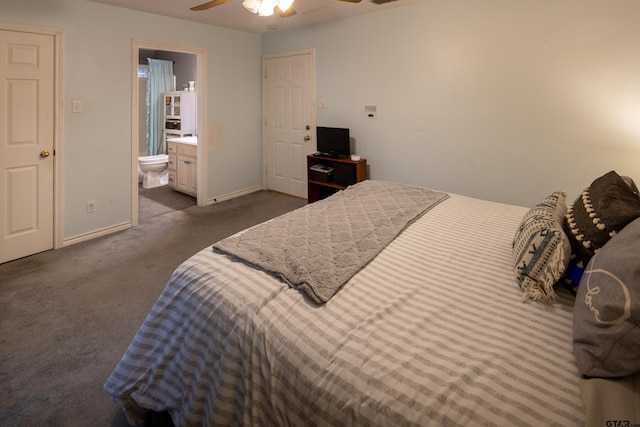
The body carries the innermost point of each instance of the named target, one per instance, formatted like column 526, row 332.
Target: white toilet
column 154, row 170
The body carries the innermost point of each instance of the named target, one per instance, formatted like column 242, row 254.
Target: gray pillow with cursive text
column 606, row 322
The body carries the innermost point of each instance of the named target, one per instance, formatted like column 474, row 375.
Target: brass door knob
column 307, row 138
column 44, row 153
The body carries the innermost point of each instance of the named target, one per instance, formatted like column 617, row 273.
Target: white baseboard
column 233, row 195
column 96, row 233
column 125, row 225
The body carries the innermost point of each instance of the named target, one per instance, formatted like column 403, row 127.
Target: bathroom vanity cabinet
column 183, row 164
column 179, row 114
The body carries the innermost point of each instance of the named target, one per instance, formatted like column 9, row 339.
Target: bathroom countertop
column 193, row 140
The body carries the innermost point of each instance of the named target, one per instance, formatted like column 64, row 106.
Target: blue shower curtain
column 160, row 81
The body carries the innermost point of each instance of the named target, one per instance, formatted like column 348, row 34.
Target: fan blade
column 352, row 1
column 209, row 5
column 318, row 9
column 289, row 12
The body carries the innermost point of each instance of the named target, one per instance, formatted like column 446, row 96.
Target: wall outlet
column 91, row 206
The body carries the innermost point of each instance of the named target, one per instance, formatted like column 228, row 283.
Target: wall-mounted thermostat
column 371, row 111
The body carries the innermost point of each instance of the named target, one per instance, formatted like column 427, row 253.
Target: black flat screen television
column 333, row 142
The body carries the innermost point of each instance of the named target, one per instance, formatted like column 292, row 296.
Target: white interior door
column 289, row 121
column 26, row 143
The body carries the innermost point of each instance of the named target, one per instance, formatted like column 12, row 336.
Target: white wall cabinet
column 179, row 114
column 183, row 167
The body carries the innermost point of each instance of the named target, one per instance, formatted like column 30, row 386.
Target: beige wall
column 499, row 99
column 97, row 70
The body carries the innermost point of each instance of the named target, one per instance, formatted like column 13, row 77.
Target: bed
column 431, row 330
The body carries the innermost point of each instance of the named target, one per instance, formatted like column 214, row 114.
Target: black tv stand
column 346, row 172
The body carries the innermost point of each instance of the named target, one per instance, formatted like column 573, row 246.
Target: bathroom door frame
column 201, row 107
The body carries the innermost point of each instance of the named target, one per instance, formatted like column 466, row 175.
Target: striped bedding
column 432, row 332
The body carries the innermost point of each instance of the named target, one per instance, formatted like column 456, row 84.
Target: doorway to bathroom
column 188, row 65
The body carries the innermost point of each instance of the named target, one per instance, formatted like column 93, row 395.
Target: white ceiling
column 234, row 15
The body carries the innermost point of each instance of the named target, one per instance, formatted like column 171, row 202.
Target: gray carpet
column 161, row 200
column 67, row 315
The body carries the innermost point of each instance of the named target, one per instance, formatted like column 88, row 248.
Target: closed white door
column 289, row 122
column 26, row 143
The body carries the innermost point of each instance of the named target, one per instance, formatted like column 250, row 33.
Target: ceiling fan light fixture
column 266, row 8
column 251, row 5
column 283, row 5
column 261, row 7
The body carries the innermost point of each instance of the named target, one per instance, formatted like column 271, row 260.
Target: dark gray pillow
column 606, row 322
column 603, row 209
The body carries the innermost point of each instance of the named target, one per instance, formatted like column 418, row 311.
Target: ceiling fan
column 253, row 6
